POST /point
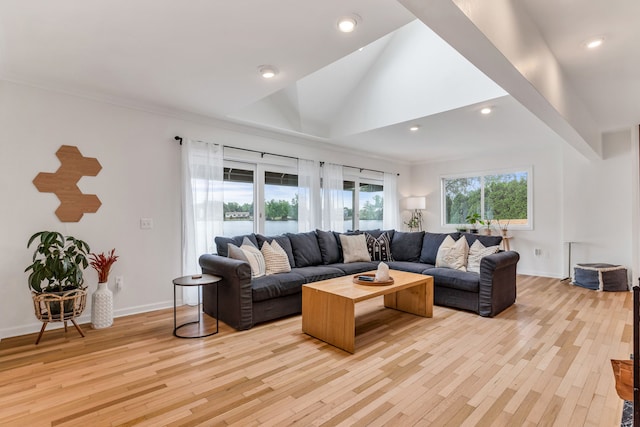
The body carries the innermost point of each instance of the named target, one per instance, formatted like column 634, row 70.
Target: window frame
column 359, row 177
column 482, row 174
column 259, row 170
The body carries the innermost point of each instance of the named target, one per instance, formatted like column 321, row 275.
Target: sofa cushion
column 275, row 258
column 377, row 233
column 317, row 273
column 276, row 285
column 412, row 267
column 354, row 248
column 407, row 246
column 356, row 267
column 379, row 247
column 430, row 244
column 306, row 251
column 329, row 248
column 284, row 243
column 222, row 242
column 455, row 279
column 485, row 240
column 477, row 251
column 453, row 254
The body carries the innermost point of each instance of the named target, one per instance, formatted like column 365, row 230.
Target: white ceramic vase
column 102, row 307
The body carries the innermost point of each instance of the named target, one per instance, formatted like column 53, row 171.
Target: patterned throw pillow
column 275, row 257
column 452, row 254
column 477, row 251
column 380, row 248
column 255, row 258
column 354, row 248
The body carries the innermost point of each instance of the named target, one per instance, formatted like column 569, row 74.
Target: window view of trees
column 462, row 197
column 505, row 197
column 370, row 205
column 281, row 210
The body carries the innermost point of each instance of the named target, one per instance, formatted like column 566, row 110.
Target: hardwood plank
column 544, row 361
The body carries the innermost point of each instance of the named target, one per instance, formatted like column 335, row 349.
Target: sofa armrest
column 497, row 282
column 235, row 304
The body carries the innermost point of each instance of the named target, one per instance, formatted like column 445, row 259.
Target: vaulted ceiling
column 431, row 63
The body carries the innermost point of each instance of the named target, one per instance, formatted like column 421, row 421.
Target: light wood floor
column 544, row 361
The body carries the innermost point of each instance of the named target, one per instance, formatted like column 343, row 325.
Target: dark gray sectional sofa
column 317, row 255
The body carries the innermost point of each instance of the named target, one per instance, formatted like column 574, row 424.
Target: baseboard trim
column 35, row 326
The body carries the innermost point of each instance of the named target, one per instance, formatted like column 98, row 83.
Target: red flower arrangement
column 102, row 264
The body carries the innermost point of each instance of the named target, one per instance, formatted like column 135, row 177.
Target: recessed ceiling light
column 267, row 71
column 347, row 24
column 486, row 110
column 414, row 128
column 594, row 43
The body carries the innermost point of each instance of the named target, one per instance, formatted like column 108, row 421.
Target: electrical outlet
column 146, row 223
column 119, row 282
column 537, row 252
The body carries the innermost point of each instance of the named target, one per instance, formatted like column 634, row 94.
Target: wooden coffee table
column 328, row 306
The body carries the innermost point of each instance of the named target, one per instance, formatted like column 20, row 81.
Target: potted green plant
column 474, row 219
column 58, row 264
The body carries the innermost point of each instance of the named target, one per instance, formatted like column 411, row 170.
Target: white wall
column 547, row 176
column 574, row 199
column 599, row 213
column 139, row 178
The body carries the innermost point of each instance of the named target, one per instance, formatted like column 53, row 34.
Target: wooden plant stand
column 59, row 307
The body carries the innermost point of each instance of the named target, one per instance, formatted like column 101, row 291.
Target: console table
column 198, row 280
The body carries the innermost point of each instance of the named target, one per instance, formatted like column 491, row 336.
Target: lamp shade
column 413, row 203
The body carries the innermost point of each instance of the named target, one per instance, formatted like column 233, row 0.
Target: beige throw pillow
column 354, row 248
column 255, row 258
column 453, row 254
column 477, row 251
column 275, row 258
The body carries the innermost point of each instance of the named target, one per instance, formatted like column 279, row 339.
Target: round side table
column 199, row 280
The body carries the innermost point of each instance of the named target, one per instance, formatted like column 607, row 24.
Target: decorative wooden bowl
column 373, row 283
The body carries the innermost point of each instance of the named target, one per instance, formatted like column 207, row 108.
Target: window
column 280, row 203
column 368, row 196
column 238, row 197
column 503, row 196
column 259, row 198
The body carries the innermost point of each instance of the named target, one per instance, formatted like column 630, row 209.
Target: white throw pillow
column 255, row 258
column 354, row 248
column 275, row 258
column 453, row 254
column 477, row 251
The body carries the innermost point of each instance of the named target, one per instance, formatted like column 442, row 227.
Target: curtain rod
column 262, row 153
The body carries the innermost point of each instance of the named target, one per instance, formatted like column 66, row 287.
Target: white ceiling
column 202, row 57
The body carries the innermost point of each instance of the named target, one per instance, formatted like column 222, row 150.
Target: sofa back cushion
column 306, row 250
column 407, row 246
column 431, row 243
column 222, row 242
column 329, row 248
column 284, row 243
column 485, row 240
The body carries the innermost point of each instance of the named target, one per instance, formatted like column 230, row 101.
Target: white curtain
column 308, row 195
column 202, row 205
column 332, row 198
column 390, row 213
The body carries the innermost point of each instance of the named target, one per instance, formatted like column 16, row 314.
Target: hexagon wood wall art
column 64, row 184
